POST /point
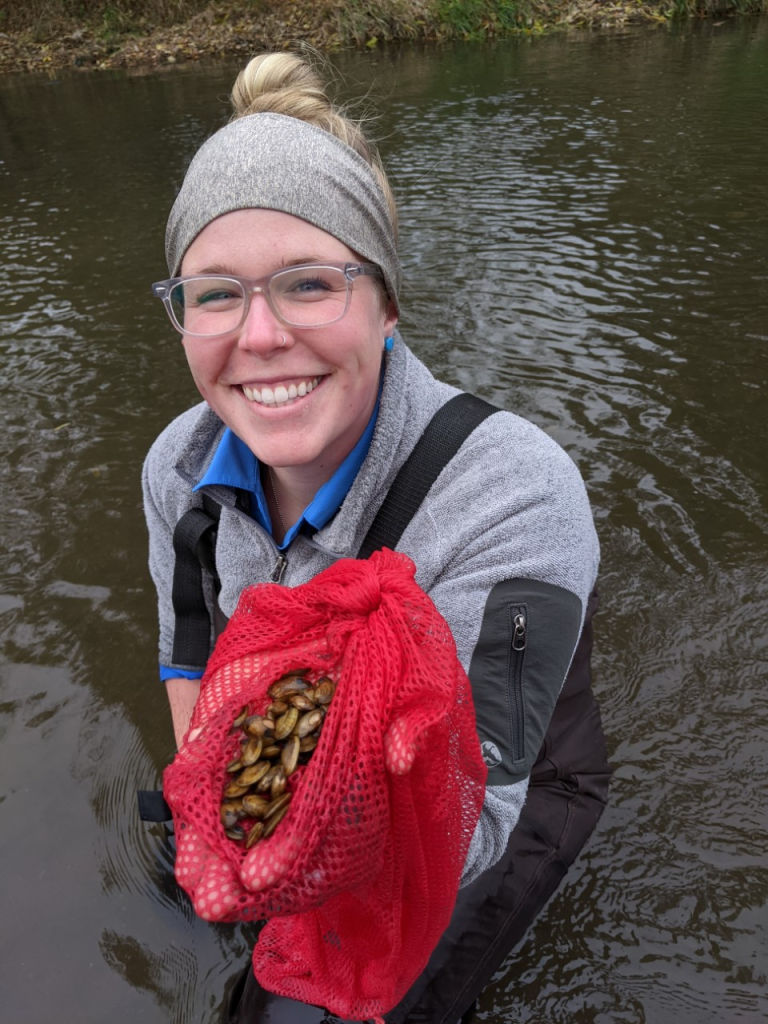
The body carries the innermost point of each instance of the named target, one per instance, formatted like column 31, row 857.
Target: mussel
column 272, row 747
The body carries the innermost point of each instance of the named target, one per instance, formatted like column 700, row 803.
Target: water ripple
column 581, row 246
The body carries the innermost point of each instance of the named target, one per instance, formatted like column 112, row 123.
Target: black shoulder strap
column 193, row 545
column 445, row 433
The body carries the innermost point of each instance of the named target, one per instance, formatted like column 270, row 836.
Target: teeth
column 281, row 395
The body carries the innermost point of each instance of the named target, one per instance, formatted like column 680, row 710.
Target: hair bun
column 285, row 83
column 281, row 83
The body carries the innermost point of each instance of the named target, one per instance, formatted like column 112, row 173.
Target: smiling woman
column 335, row 362
column 284, row 286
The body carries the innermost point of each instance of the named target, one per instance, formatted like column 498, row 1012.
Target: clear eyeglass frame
column 263, row 285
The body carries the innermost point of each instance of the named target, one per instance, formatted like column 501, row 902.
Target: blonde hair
column 285, row 83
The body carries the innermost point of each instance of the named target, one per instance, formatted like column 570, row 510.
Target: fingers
column 399, row 747
column 212, row 884
column 267, row 864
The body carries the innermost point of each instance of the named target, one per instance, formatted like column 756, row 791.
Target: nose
column 262, row 332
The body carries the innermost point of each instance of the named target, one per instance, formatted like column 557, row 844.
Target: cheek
column 370, row 350
column 201, row 366
column 200, row 362
column 365, row 367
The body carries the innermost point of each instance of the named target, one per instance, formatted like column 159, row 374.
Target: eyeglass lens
column 306, row 297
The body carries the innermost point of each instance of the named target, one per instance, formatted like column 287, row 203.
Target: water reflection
column 583, row 225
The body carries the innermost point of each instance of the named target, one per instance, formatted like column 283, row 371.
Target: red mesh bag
column 360, row 878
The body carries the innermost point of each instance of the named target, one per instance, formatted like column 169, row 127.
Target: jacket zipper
column 516, row 659
column 276, row 575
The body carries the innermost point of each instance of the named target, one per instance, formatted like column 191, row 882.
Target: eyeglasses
column 310, row 295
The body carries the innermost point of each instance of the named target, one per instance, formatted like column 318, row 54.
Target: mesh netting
column 360, row 877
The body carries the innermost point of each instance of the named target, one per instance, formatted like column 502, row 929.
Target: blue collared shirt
column 234, row 465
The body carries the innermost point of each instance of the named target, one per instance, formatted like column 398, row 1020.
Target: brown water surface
column 585, row 238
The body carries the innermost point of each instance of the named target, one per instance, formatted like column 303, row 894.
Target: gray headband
column 274, row 162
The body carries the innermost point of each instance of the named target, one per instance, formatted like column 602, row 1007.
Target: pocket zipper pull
column 518, row 638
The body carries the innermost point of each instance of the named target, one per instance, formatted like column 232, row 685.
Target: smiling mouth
column 281, row 394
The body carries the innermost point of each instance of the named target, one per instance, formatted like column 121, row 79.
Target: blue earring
column 389, row 344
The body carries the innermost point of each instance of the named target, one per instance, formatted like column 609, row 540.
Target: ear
column 390, row 318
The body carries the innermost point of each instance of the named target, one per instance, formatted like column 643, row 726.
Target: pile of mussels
column 272, row 748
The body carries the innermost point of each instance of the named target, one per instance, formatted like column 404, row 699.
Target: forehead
column 254, row 242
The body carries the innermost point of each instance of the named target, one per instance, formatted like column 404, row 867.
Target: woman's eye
column 311, row 284
column 219, row 295
column 308, row 284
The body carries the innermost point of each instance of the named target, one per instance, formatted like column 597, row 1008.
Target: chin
column 283, row 453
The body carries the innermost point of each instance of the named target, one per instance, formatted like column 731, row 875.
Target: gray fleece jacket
column 510, row 511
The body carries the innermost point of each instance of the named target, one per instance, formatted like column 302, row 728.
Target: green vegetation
column 111, row 33
column 473, row 19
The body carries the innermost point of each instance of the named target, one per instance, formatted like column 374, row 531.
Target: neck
column 289, row 491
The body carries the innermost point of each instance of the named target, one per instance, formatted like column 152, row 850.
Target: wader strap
column 192, row 545
column 445, row 434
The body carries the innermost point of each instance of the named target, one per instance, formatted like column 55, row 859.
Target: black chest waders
column 567, row 791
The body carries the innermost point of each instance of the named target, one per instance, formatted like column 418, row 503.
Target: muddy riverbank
column 112, row 38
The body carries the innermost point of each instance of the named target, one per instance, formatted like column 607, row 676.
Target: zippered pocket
column 518, row 635
column 527, row 637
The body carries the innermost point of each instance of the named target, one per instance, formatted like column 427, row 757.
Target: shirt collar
column 234, row 465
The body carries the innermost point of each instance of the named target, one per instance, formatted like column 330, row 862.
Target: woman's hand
column 182, row 697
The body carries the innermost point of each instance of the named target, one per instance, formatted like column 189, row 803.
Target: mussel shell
column 289, row 757
column 265, row 782
column 302, row 701
column 277, row 707
column 251, row 752
column 274, row 821
column 324, row 691
column 236, row 832
column 308, row 723
column 254, row 835
column 235, row 789
column 255, row 726
column 235, row 766
column 255, row 806
column 284, row 687
column 277, row 787
column 230, row 812
column 291, row 673
column 253, row 774
column 273, row 750
column 240, row 718
column 285, row 724
column 307, row 744
column 278, row 805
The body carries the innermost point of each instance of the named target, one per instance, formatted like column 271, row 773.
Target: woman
column 285, row 284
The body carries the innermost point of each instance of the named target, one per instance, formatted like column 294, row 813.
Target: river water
column 585, row 238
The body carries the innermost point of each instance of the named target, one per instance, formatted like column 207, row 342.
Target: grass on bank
column 392, row 18
column 39, row 33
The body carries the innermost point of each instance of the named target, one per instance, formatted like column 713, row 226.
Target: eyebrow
column 226, row 271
